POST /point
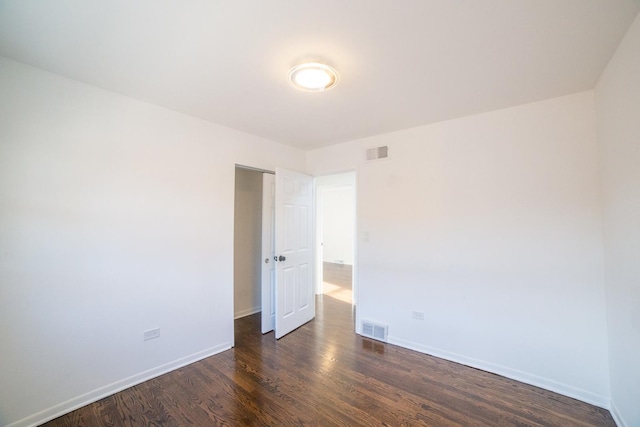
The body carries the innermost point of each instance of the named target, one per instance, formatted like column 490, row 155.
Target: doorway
column 335, row 231
column 247, row 236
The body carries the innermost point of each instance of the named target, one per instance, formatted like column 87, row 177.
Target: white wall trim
column 247, row 312
column 617, row 416
column 102, row 392
column 514, row 374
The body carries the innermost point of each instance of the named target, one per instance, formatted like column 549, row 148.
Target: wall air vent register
column 374, row 330
column 377, row 153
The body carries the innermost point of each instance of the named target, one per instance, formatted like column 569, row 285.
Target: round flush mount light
column 313, row 77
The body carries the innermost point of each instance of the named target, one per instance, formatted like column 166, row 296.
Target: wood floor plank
column 323, row 374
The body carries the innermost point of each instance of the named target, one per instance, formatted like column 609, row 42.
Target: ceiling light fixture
column 313, row 77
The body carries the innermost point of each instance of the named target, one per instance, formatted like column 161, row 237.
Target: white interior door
column 295, row 299
column 268, row 288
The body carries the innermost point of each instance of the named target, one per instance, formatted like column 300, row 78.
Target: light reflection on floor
column 337, row 292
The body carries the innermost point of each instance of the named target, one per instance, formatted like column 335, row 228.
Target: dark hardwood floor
column 337, row 274
column 323, row 374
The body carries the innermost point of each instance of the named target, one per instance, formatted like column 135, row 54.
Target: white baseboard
column 617, row 417
column 247, row 312
column 102, row 392
column 514, row 374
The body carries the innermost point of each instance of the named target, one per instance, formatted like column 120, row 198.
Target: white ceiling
column 402, row 63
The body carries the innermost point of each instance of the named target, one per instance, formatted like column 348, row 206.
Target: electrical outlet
column 151, row 334
column 417, row 315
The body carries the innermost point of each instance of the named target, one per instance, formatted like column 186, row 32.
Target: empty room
column 168, row 250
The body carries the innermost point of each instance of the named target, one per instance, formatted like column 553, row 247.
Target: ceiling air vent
column 374, row 330
column 377, row 153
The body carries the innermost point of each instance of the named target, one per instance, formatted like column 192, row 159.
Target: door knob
column 282, row 258
column 266, row 260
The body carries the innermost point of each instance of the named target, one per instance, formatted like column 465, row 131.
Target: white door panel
column 295, row 303
column 268, row 287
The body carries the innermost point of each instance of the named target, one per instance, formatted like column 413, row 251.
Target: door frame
column 241, row 166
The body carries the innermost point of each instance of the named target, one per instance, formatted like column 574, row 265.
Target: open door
column 295, row 298
column 268, row 286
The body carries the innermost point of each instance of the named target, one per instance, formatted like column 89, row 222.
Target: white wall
column 247, row 243
column 336, row 196
column 338, row 225
column 116, row 216
column 491, row 226
column 618, row 107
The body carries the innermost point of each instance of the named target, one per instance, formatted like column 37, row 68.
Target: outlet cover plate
column 151, row 334
column 417, row 315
